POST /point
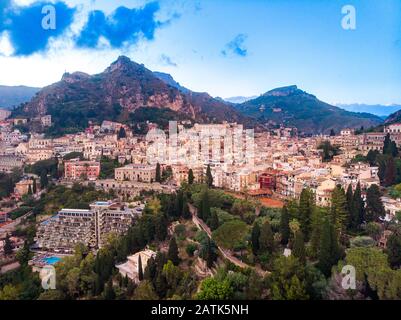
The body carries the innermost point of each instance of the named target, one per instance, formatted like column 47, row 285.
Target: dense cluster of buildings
column 277, row 164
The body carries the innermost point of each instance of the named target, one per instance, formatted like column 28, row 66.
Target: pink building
column 75, row 170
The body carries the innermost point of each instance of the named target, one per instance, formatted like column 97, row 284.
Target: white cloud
column 6, row 49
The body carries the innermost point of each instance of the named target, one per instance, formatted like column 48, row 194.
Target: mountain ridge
column 294, row 107
column 126, row 86
column 116, row 93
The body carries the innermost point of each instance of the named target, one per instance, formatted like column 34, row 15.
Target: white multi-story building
column 70, row 227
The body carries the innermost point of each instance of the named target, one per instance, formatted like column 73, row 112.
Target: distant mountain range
column 239, row 99
column 294, row 107
column 14, row 96
column 126, row 91
column 377, row 109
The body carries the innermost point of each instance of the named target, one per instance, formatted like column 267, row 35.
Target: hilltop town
column 201, row 209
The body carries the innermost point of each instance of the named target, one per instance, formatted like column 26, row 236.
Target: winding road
column 226, row 253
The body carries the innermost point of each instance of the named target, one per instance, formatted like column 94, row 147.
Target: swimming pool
column 51, row 260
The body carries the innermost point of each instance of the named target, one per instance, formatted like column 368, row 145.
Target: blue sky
column 224, row 47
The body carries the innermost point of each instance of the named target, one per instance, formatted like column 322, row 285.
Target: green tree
column 374, row 205
column 390, row 172
column 211, row 255
column 34, row 190
column 285, row 225
column 317, row 222
column 205, row 207
column 209, row 177
column 140, row 270
column 389, row 147
column 29, row 190
column 394, row 250
column 145, row 291
column 9, row 292
column 306, row 204
column 338, row 210
column 349, row 195
column 255, row 238
column 299, row 247
column 121, row 133
column 358, row 208
column 24, row 254
column 191, row 177
column 372, row 156
column 158, row 173
column 214, row 221
column 266, row 238
column 214, row 289
column 109, row 293
column 287, row 280
column 329, row 248
column 44, row 181
column 8, row 248
column 328, row 151
column 186, row 213
column 173, row 252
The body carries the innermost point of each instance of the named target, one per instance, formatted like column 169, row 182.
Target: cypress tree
column 29, row 190
column 43, row 179
column 211, row 255
column 109, row 293
column 205, row 212
column 305, row 211
column 350, row 205
column 390, row 172
column 209, row 177
column 394, row 149
column 255, row 238
column 186, row 214
column 317, row 222
column 394, row 250
column 329, row 249
column 191, row 177
column 8, row 248
column 266, row 238
column 34, row 190
column 374, row 204
column 214, row 221
column 387, row 144
column 338, row 209
column 358, row 208
column 172, row 254
column 179, row 203
column 121, row 133
column 350, row 197
column 299, row 247
column 285, row 225
column 371, row 157
column 140, row 270
column 158, row 173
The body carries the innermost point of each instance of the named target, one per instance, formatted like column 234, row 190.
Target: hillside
column 13, row 96
column 122, row 88
column 393, row 118
column 294, row 107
